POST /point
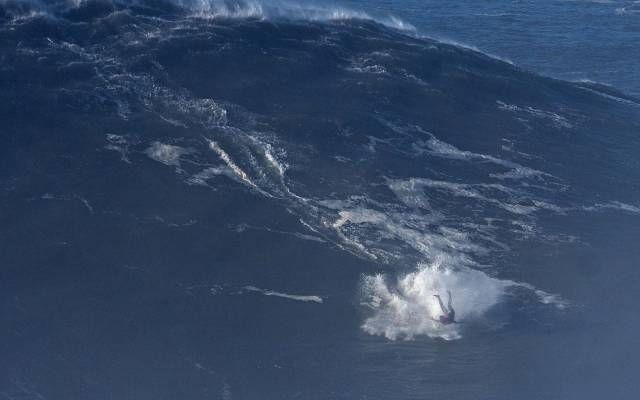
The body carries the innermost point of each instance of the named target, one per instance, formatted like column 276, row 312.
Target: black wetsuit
column 448, row 318
column 449, row 314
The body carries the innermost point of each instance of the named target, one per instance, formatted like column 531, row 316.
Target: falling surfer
column 448, row 313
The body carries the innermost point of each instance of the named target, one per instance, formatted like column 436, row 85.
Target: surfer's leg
column 444, row 310
column 449, row 305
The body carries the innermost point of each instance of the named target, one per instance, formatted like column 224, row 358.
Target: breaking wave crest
column 206, row 9
column 274, row 9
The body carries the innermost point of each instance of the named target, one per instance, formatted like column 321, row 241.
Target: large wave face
column 401, row 150
column 417, row 167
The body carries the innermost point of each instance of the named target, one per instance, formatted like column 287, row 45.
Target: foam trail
column 613, row 205
column 274, row 161
column 119, row 144
column 270, row 155
column 166, row 153
column 429, row 243
column 402, row 188
column 555, row 118
column 267, row 292
column 439, row 148
column 446, row 150
column 243, row 227
column 237, row 171
column 203, row 176
column 544, row 297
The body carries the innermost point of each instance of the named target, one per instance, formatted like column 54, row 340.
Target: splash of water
column 406, row 307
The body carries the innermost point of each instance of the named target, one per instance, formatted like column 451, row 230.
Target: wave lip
column 274, row 9
column 207, row 9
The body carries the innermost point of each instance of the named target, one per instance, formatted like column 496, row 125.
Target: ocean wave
column 437, row 228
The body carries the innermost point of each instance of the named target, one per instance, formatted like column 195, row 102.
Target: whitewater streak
column 297, row 297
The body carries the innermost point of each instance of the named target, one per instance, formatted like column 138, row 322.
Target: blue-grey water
column 593, row 40
column 259, row 200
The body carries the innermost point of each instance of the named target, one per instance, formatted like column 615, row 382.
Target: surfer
column 448, row 313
